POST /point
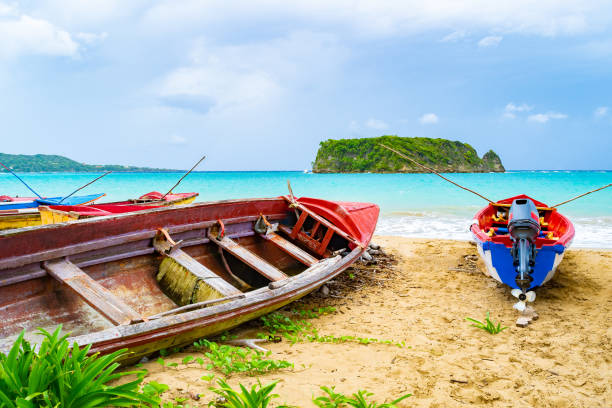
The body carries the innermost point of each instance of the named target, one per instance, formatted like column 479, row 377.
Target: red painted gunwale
column 120, row 207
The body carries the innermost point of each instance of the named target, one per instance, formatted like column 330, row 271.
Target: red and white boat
column 522, row 242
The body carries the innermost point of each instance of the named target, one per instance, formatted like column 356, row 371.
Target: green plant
column 257, row 397
column 296, row 330
column 60, row 375
column 277, row 323
column 230, row 359
column 331, row 400
column 207, row 377
column 489, row 326
column 360, row 399
column 154, row 389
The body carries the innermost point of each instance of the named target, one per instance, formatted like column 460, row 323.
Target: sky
column 256, row 85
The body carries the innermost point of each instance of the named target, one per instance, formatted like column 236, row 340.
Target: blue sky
column 257, row 85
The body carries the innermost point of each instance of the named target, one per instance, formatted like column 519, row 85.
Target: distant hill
column 366, row 155
column 53, row 163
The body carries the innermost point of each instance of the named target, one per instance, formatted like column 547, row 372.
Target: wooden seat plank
column 288, row 247
column 209, row 277
column 94, row 294
column 260, row 265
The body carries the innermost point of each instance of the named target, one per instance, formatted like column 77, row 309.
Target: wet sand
column 561, row 360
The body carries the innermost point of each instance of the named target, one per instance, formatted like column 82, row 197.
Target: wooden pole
column 581, row 195
column 434, row 172
column 19, row 178
column 80, row 188
column 181, row 179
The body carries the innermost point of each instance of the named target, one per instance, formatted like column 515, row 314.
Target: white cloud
column 490, row 41
column 216, row 84
column 91, row 38
column 545, row 117
column 7, row 10
column 89, row 14
column 454, row 36
column 511, row 110
column 27, row 35
column 601, row 111
column 177, row 140
column 251, row 75
column 518, row 108
column 391, row 17
column 429, row 119
column 376, row 124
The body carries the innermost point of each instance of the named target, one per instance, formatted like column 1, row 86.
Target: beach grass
column 58, row 374
column 488, row 325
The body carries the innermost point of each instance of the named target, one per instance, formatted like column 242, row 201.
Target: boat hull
column 495, row 249
column 499, row 263
column 59, row 214
column 16, row 203
column 116, row 257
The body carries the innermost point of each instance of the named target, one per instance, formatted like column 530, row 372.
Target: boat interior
column 156, row 270
column 493, row 221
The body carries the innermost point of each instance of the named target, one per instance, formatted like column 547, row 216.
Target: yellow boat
column 19, row 218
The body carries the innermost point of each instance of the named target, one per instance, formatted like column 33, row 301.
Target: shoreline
column 560, row 360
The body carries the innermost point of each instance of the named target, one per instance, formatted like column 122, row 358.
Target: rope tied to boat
column 581, row 195
column 434, row 172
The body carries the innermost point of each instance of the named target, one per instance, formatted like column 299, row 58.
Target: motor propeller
column 523, row 298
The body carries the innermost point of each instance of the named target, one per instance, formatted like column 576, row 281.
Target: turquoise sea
column 413, row 205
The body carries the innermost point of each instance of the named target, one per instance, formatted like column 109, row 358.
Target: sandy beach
column 422, row 298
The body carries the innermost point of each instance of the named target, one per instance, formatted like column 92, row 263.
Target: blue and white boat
column 522, row 242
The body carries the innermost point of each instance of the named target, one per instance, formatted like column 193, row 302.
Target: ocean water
column 412, row 205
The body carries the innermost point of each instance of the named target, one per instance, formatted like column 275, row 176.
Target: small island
column 366, row 155
column 53, row 163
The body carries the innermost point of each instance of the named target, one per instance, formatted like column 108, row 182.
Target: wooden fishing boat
column 167, row 276
column 19, row 212
column 522, row 242
column 53, row 214
column 15, row 203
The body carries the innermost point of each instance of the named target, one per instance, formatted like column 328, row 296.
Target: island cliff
column 366, row 155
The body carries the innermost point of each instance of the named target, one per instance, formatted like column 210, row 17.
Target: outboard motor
column 524, row 227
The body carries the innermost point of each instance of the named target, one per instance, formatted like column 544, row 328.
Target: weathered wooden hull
column 99, row 277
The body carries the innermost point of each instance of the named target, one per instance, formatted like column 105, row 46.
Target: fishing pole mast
column 80, row 188
column 24, row 183
column 181, row 179
column 434, row 172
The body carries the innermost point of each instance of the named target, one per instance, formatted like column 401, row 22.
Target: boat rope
column 24, row 183
column 434, row 172
column 181, row 179
column 80, row 188
column 581, row 195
